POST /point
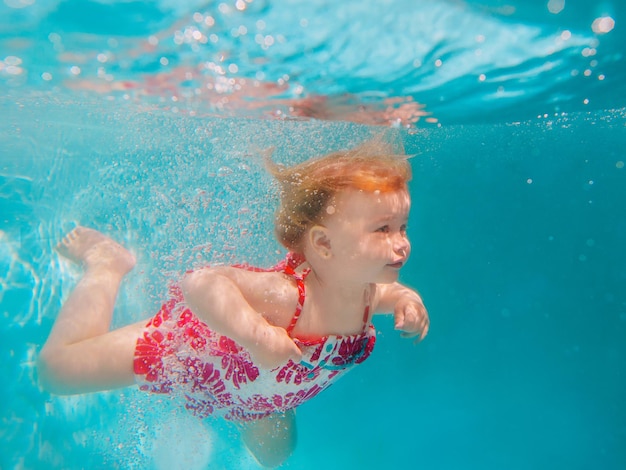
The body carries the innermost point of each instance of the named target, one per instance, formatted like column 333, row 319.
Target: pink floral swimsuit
column 179, row 354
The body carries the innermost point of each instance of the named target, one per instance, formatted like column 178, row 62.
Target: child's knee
column 57, row 370
column 271, row 440
column 271, row 456
column 49, row 372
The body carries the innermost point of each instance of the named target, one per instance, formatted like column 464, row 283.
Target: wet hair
column 307, row 189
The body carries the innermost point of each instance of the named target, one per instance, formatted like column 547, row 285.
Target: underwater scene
column 148, row 121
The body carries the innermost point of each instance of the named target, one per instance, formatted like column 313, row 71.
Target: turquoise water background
column 517, row 227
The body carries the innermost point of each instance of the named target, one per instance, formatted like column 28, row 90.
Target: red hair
column 308, row 188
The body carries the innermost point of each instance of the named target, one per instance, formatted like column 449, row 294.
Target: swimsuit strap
column 301, row 295
column 366, row 312
column 292, row 262
column 366, row 315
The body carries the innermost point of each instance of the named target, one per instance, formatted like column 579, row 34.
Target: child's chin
column 388, row 277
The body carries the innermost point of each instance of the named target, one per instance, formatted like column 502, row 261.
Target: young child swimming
column 248, row 344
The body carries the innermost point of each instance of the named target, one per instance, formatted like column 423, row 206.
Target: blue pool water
column 132, row 117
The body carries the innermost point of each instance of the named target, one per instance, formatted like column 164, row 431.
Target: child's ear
column 320, row 241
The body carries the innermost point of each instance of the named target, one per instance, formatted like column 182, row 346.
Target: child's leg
column 81, row 354
column 271, row 440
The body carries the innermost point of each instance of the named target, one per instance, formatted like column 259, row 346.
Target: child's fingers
column 399, row 321
column 290, row 348
column 406, row 318
column 420, row 332
column 412, row 321
column 277, row 349
column 424, row 331
column 296, row 355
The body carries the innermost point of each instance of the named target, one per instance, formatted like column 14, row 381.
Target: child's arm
column 408, row 309
column 215, row 296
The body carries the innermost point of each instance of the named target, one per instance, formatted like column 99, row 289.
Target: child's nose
column 401, row 244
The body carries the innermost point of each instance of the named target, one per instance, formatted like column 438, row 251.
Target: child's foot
column 95, row 250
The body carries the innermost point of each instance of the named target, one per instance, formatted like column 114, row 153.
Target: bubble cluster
column 11, row 65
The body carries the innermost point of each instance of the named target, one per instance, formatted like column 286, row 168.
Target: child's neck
column 336, row 305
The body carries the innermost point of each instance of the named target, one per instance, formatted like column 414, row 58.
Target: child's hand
column 273, row 347
column 411, row 317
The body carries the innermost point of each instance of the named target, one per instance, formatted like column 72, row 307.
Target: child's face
column 367, row 233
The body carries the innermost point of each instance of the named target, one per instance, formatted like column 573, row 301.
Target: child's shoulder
column 274, row 294
column 250, row 278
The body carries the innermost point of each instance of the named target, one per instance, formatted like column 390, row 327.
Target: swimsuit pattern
column 179, row 354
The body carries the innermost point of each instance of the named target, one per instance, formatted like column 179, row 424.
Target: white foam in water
column 182, row 442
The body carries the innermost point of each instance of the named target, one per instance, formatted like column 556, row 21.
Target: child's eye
column 383, row 229
column 403, row 228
